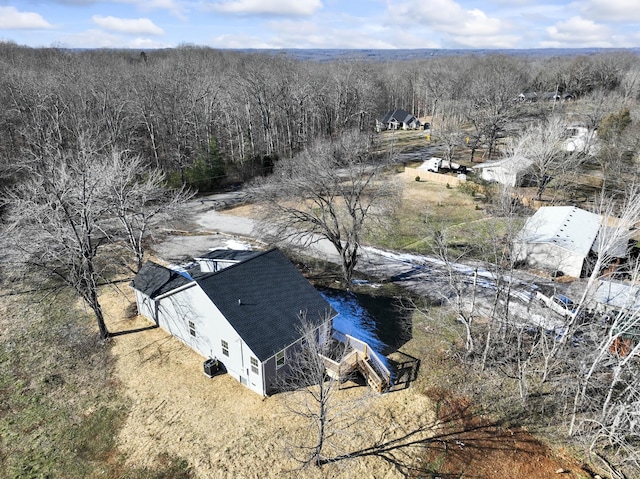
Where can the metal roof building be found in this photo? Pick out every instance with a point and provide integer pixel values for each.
(558, 238)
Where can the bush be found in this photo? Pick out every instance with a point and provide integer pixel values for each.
(417, 178)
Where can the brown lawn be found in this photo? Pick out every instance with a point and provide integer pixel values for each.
(226, 431)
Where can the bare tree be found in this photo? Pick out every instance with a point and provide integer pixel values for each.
(334, 190)
(494, 83)
(311, 396)
(55, 219)
(66, 219)
(137, 197)
(541, 144)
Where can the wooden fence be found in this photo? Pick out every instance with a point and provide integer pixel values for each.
(425, 175)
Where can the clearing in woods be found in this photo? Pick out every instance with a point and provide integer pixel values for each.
(224, 430)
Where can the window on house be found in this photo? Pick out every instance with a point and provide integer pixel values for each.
(225, 347)
(192, 328)
(279, 359)
(254, 365)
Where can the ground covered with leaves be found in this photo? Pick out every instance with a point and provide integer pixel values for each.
(61, 407)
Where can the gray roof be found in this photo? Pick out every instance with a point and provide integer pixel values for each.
(625, 296)
(400, 116)
(262, 298)
(229, 254)
(155, 280)
(568, 227)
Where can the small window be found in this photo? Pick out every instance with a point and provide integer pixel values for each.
(192, 328)
(225, 347)
(254, 365)
(279, 359)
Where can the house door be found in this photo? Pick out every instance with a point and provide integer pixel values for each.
(243, 380)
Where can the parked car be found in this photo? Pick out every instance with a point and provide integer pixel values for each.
(436, 165)
(559, 303)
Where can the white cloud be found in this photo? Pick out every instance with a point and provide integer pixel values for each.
(128, 25)
(627, 11)
(333, 38)
(177, 8)
(466, 28)
(292, 34)
(268, 7)
(100, 39)
(578, 32)
(12, 19)
(477, 23)
(486, 41)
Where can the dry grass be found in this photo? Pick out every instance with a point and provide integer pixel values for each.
(224, 430)
(219, 426)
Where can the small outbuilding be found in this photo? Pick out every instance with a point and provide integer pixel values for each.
(558, 239)
(611, 296)
(510, 171)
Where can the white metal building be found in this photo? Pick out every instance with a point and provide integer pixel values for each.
(558, 238)
(507, 171)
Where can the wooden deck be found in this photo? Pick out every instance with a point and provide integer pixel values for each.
(362, 358)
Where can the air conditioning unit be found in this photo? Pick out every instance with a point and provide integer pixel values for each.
(212, 367)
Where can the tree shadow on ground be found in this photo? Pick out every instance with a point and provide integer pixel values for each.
(131, 331)
(462, 442)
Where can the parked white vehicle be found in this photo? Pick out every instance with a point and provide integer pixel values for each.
(436, 164)
(559, 303)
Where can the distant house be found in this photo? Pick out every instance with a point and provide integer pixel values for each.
(242, 307)
(510, 171)
(528, 97)
(619, 302)
(579, 139)
(551, 96)
(399, 120)
(562, 238)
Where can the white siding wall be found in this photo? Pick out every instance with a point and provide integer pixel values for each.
(211, 327)
(550, 257)
(499, 175)
(146, 306)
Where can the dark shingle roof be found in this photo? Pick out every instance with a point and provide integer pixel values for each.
(229, 254)
(155, 280)
(262, 298)
(399, 115)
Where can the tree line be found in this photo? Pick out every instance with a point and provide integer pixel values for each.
(208, 117)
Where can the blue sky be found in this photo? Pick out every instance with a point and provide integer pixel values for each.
(385, 24)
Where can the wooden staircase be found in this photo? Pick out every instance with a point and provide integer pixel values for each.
(362, 358)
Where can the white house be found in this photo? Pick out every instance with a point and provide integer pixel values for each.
(399, 120)
(510, 171)
(581, 140)
(558, 238)
(243, 308)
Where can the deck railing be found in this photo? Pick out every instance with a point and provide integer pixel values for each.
(372, 364)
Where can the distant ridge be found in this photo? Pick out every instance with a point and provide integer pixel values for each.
(384, 55)
(326, 55)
